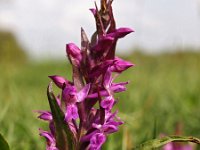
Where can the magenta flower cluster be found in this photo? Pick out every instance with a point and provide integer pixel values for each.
(87, 101)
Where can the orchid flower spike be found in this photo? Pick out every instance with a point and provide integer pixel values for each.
(82, 117)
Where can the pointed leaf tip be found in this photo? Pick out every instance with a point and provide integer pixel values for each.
(3, 143)
(50, 89)
(64, 136)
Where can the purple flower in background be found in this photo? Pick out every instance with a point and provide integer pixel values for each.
(74, 122)
(177, 146)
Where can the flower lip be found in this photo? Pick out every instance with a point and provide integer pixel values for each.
(107, 103)
(97, 141)
(71, 113)
(69, 95)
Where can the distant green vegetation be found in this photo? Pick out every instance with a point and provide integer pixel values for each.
(10, 50)
(164, 90)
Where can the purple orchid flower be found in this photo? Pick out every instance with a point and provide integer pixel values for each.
(71, 97)
(95, 67)
(51, 142)
(108, 102)
(116, 65)
(100, 131)
(97, 141)
(109, 86)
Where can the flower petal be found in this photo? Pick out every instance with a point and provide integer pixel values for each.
(59, 81)
(74, 54)
(87, 137)
(71, 113)
(45, 115)
(93, 10)
(100, 69)
(97, 141)
(51, 144)
(83, 93)
(111, 128)
(107, 79)
(103, 44)
(120, 65)
(120, 87)
(69, 95)
(49, 137)
(120, 33)
(108, 102)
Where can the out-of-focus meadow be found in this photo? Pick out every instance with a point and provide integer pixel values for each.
(164, 91)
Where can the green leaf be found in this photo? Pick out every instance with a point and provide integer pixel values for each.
(64, 137)
(3, 143)
(156, 143)
(155, 129)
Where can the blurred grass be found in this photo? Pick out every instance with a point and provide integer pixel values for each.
(164, 90)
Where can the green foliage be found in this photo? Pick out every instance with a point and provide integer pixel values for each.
(163, 87)
(3, 143)
(156, 143)
(10, 51)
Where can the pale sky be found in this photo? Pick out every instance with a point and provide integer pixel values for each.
(43, 27)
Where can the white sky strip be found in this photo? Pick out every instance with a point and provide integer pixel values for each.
(45, 26)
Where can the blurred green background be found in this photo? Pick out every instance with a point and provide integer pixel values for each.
(164, 91)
